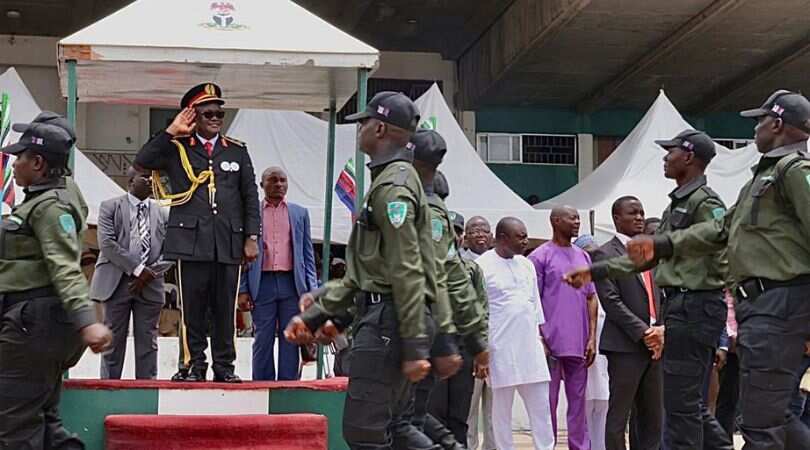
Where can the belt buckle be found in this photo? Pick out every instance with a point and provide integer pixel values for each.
(374, 298)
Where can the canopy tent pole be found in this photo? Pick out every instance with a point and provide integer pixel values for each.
(327, 209)
(359, 157)
(72, 86)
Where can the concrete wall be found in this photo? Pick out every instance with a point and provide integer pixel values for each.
(591, 129)
(420, 66)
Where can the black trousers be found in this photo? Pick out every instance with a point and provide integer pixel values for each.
(729, 394)
(635, 382)
(410, 412)
(773, 328)
(694, 322)
(376, 382)
(450, 401)
(38, 343)
(204, 286)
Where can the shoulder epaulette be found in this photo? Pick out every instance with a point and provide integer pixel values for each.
(710, 192)
(237, 142)
(401, 177)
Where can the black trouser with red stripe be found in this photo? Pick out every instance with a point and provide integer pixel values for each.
(204, 286)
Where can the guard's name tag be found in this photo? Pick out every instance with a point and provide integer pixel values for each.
(436, 229)
(228, 166)
(396, 212)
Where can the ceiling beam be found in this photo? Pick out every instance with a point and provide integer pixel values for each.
(683, 33)
(750, 77)
(485, 15)
(524, 26)
(351, 16)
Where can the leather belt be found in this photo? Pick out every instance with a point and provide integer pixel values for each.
(670, 292)
(12, 298)
(373, 298)
(752, 288)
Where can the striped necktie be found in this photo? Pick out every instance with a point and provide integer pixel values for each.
(143, 233)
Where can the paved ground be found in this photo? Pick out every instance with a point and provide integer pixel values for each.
(523, 441)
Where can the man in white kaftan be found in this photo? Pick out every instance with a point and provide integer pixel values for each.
(517, 359)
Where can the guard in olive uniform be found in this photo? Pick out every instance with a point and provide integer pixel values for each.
(390, 278)
(468, 319)
(46, 317)
(766, 236)
(450, 400)
(213, 225)
(694, 307)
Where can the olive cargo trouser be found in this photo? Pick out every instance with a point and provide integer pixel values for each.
(773, 327)
(409, 412)
(38, 343)
(694, 322)
(376, 382)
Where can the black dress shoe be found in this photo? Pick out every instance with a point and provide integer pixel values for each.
(181, 375)
(196, 376)
(227, 378)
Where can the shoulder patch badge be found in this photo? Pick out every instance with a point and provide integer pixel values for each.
(718, 213)
(436, 229)
(397, 211)
(67, 223)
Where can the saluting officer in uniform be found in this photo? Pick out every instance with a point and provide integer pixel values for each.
(390, 275)
(694, 304)
(46, 316)
(213, 225)
(766, 238)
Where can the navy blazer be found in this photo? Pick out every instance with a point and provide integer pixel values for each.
(303, 256)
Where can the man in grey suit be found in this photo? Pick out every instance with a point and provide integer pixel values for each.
(131, 229)
(631, 340)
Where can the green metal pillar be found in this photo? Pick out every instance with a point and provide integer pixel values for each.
(72, 92)
(327, 209)
(360, 157)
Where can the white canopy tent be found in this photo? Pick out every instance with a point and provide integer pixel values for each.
(94, 184)
(636, 168)
(269, 54)
(291, 140)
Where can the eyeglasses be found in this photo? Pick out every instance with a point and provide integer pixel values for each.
(211, 114)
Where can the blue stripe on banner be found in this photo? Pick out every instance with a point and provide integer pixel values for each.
(345, 198)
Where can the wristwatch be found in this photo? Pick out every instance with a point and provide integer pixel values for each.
(253, 237)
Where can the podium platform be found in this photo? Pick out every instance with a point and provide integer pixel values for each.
(87, 403)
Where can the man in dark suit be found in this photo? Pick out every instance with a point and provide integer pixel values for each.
(631, 340)
(213, 225)
(131, 229)
(283, 272)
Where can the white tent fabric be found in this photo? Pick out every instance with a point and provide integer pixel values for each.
(270, 54)
(295, 141)
(636, 168)
(94, 184)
